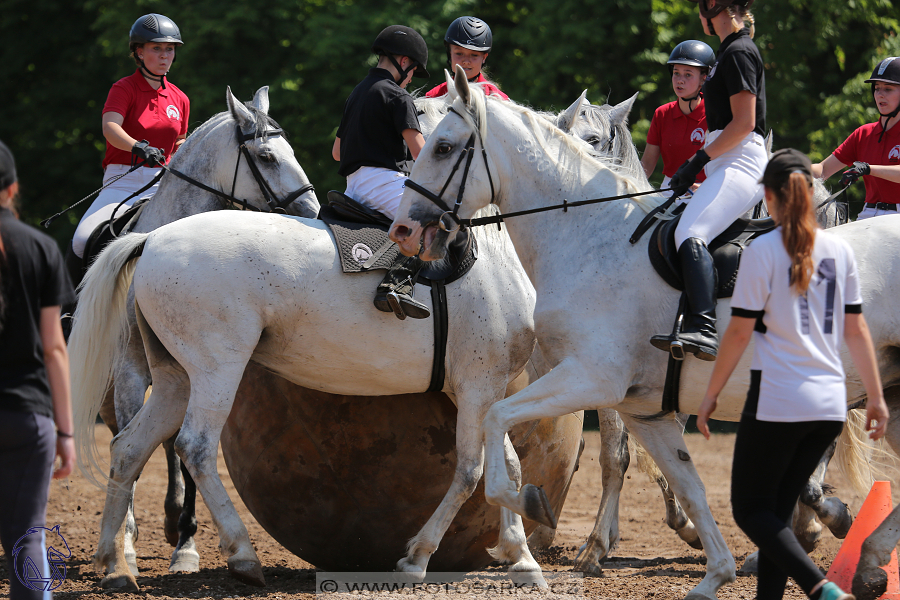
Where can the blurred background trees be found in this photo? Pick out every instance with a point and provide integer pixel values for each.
(60, 58)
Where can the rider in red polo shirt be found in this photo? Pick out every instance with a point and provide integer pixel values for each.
(468, 41)
(873, 149)
(678, 129)
(145, 119)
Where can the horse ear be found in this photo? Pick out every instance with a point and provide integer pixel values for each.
(261, 100)
(770, 140)
(462, 85)
(451, 87)
(567, 117)
(619, 113)
(240, 112)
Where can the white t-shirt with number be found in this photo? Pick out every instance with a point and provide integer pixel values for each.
(798, 338)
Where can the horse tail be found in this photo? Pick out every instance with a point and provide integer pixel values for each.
(100, 327)
(643, 460)
(861, 461)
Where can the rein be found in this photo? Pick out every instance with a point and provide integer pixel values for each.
(275, 206)
(449, 221)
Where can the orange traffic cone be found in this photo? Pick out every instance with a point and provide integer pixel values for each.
(876, 507)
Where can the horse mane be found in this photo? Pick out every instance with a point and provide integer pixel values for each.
(263, 122)
(475, 115)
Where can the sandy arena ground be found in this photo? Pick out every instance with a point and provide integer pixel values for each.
(650, 562)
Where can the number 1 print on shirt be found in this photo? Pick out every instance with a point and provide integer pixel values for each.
(827, 273)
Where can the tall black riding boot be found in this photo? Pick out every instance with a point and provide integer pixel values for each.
(395, 292)
(699, 272)
(698, 334)
(75, 267)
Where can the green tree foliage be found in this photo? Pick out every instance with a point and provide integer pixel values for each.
(60, 59)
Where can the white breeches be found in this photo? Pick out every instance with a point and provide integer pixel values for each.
(377, 188)
(105, 203)
(731, 189)
(868, 212)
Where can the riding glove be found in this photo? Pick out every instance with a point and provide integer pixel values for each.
(853, 173)
(154, 157)
(687, 173)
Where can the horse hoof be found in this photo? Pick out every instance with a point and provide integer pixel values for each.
(530, 578)
(413, 571)
(842, 527)
(751, 563)
(869, 585)
(120, 583)
(537, 506)
(247, 571)
(589, 569)
(185, 561)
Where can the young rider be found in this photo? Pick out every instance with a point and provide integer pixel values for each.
(678, 129)
(797, 402)
(873, 149)
(734, 157)
(145, 119)
(378, 129)
(468, 41)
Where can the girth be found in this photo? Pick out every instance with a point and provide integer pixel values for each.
(726, 250)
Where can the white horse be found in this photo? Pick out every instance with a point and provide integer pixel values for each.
(599, 299)
(209, 156)
(270, 289)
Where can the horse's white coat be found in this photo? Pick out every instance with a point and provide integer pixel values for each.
(599, 299)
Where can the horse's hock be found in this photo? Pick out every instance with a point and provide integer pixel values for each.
(344, 482)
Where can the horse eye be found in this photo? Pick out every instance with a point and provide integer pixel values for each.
(444, 148)
(593, 141)
(267, 156)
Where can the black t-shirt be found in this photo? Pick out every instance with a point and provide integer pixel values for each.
(33, 277)
(376, 114)
(738, 68)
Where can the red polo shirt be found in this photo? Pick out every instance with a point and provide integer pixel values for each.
(158, 116)
(489, 88)
(862, 145)
(678, 135)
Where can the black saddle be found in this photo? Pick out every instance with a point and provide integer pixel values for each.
(123, 223)
(361, 236)
(726, 250)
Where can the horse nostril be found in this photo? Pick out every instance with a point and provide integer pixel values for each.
(399, 233)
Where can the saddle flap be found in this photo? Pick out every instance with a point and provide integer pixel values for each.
(108, 230)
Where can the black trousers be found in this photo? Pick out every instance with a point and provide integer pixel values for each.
(772, 463)
(27, 451)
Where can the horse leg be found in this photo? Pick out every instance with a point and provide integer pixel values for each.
(129, 452)
(512, 546)
(181, 510)
(663, 439)
(212, 395)
(614, 461)
(542, 537)
(832, 513)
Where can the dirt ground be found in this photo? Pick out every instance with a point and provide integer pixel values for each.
(650, 562)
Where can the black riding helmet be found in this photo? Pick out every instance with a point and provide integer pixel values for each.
(887, 71)
(708, 13)
(399, 40)
(470, 33)
(693, 53)
(153, 28)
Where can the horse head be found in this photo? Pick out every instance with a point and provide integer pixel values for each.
(270, 168)
(454, 158)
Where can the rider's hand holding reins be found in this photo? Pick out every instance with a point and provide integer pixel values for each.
(687, 173)
(853, 173)
(154, 157)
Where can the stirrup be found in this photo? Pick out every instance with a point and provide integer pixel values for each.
(676, 349)
(394, 302)
(670, 344)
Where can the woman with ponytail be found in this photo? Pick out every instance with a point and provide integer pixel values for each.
(797, 294)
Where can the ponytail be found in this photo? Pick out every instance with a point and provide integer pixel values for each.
(735, 10)
(798, 227)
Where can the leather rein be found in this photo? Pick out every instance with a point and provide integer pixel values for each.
(450, 222)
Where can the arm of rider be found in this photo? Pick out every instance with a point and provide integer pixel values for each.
(732, 347)
(56, 360)
(889, 172)
(336, 149)
(827, 167)
(115, 134)
(649, 159)
(414, 141)
(743, 121)
(859, 343)
(178, 142)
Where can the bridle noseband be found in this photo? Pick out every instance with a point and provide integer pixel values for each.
(449, 220)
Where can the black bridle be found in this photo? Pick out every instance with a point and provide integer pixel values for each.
(275, 205)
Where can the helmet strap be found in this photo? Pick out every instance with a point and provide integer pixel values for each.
(152, 76)
(712, 28)
(689, 100)
(403, 72)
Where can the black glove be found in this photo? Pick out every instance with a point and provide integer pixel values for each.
(853, 173)
(154, 157)
(687, 173)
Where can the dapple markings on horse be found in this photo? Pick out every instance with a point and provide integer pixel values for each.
(592, 321)
(209, 156)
